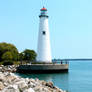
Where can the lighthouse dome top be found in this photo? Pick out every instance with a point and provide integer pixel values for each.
(43, 9)
(43, 12)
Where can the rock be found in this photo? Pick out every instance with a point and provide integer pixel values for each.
(43, 82)
(11, 88)
(26, 79)
(0, 68)
(9, 79)
(22, 85)
(5, 84)
(45, 90)
(31, 84)
(29, 90)
(10, 68)
(38, 89)
(9, 82)
(14, 70)
(42, 89)
(16, 80)
(15, 86)
(2, 77)
(32, 80)
(50, 84)
(1, 85)
(58, 90)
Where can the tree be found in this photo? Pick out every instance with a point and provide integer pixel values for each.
(29, 55)
(6, 47)
(21, 56)
(7, 56)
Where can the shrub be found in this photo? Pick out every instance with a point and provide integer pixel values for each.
(7, 63)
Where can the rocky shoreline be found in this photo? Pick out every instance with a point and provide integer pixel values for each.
(9, 68)
(9, 82)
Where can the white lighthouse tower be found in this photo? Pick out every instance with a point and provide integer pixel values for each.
(43, 50)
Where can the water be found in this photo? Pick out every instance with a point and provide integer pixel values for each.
(78, 79)
(80, 76)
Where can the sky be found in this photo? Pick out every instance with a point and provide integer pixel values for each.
(70, 24)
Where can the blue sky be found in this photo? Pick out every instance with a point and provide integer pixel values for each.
(70, 24)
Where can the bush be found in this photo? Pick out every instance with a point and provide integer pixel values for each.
(29, 55)
(7, 63)
(8, 52)
(7, 56)
(41, 63)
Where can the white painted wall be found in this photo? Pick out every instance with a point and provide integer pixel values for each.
(43, 50)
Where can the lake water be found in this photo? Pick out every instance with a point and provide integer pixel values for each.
(80, 76)
(78, 79)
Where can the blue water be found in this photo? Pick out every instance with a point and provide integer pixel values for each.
(78, 79)
(80, 76)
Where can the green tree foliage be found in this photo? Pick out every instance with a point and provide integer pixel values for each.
(7, 56)
(21, 56)
(9, 53)
(29, 55)
(9, 48)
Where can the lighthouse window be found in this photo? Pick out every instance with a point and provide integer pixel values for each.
(43, 32)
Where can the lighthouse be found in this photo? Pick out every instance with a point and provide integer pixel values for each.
(43, 48)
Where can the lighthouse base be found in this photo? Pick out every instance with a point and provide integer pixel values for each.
(43, 68)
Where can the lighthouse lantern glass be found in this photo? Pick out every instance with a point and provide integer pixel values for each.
(43, 13)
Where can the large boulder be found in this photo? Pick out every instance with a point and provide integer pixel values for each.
(29, 90)
(11, 88)
(49, 84)
(22, 85)
(2, 77)
(1, 85)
